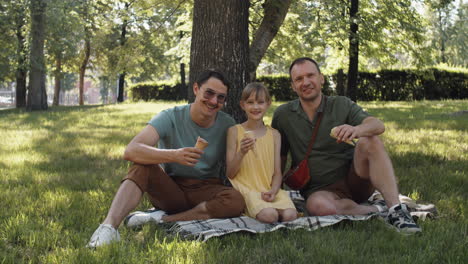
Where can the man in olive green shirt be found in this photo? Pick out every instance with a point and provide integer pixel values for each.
(342, 176)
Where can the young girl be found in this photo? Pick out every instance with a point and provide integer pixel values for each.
(253, 160)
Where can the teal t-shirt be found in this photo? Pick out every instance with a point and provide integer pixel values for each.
(177, 130)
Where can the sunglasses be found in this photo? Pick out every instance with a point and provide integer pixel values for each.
(209, 94)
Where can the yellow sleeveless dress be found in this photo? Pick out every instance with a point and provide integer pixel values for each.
(256, 173)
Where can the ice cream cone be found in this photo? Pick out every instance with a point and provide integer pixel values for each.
(250, 134)
(201, 143)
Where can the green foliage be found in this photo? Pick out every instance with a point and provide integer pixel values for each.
(280, 87)
(14, 19)
(447, 27)
(391, 33)
(431, 84)
(60, 170)
(157, 91)
(388, 85)
(384, 85)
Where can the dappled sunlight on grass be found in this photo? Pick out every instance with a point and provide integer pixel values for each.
(59, 170)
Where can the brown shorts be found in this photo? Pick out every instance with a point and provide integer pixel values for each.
(178, 194)
(352, 187)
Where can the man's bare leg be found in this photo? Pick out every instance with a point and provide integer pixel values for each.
(199, 212)
(328, 203)
(126, 199)
(372, 162)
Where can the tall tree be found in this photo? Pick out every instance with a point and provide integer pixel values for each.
(87, 15)
(123, 39)
(274, 13)
(353, 50)
(63, 35)
(14, 61)
(220, 40)
(37, 96)
(21, 57)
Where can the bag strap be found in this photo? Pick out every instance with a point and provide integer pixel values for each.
(314, 133)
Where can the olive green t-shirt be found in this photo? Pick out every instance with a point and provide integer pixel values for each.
(176, 129)
(328, 161)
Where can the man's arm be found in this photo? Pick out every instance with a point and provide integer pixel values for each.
(370, 126)
(140, 150)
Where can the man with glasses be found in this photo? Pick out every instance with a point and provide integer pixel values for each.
(181, 180)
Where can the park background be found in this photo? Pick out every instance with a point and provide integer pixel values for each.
(75, 75)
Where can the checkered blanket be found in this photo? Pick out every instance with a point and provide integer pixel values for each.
(205, 229)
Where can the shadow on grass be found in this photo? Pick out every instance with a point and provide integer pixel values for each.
(434, 179)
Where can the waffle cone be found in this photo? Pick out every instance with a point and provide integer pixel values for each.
(201, 143)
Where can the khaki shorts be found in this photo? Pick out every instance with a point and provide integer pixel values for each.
(352, 187)
(178, 194)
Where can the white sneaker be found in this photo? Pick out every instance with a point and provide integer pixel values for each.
(104, 234)
(139, 218)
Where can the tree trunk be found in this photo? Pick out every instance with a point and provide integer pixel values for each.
(442, 36)
(220, 41)
(340, 85)
(183, 84)
(57, 77)
(84, 64)
(120, 97)
(353, 51)
(21, 68)
(37, 96)
(274, 13)
(123, 39)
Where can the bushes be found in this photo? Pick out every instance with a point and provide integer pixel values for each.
(385, 85)
(397, 85)
(157, 91)
(280, 87)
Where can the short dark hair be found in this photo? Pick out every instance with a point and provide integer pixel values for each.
(301, 61)
(207, 74)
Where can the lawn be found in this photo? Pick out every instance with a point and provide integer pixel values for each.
(59, 171)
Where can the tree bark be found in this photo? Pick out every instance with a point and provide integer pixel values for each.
(274, 13)
(120, 97)
(220, 40)
(21, 70)
(37, 96)
(123, 39)
(183, 83)
(57, 77)
(442, 36)
(340, 82)
(353, 51)
(84, 64)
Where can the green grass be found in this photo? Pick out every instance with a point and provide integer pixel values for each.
(59, 171)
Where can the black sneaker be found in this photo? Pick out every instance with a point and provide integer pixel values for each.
(400, 218)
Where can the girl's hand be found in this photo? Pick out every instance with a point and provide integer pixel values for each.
(269, 196)
(246, 144)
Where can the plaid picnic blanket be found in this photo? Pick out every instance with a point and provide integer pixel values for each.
(205, 229)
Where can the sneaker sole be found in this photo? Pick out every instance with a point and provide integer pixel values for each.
(406, 232)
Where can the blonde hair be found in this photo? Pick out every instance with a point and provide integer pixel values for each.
(257, 88)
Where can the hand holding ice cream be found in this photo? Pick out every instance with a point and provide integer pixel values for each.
(201, 143)
(251, 135)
